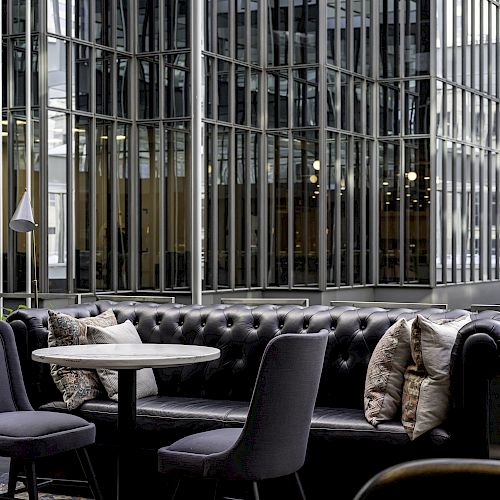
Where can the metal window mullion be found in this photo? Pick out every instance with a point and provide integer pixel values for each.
(162, 206)
(433, 170)
(363, 205)
(484, 242)
(263, 255)
(291, 208)
(443, 214)
(322, 97)
(402, 213)
(215, 208)
(114, 209)
(338, 214)
(489, 218)
(497, 215)
(454, 198)
(93, 206)
(248, 210)
(232, 207)
(472, 213)
(350, 211)
(464, 213)
(70, 201)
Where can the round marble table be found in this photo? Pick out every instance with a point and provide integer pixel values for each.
(126, 359)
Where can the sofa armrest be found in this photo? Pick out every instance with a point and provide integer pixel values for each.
(474, 362)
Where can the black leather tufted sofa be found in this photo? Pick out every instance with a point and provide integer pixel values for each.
(344, 450)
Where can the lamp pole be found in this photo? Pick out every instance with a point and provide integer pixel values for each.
(196, 150)
(28, 143)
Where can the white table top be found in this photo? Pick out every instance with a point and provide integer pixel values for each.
(131, 356)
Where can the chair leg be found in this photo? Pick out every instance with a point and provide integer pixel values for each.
(299, 485)
(255, 490)
(88, 470)
(14, 469)
(176, 491)
(29, 469)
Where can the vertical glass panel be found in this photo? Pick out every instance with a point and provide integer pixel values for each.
(223, 215)
(345, 111)
(477, 213)
(253, 180)
(148, 87)
(331, 30)
(484, 65)
(440, 36)
(458, 126)
(103, 22)
(35, 92)
(80, 88)
(468, 41)
(81, 168)
(56, 73)
(467, 116)
(209, 87)
(368, 38)
(123, 89)
(493, 208)
(103, 205)
(441, 212)
(176, 24)
(177, 208)
(254, 32)
(277, 54)
(4, 200)
(331, 100)
(56, 17)
(390, 206)
(467, 211)
(389, 38)
(493, 50)
(209, 5)
(254, 99)
(305, 97)
(450, 111)
(241, 215)
(104, 78)
(122, 38)
(18, 16)
(5, 103)
(369, 108)
(448, 192)
(356, 24)
(223, 27)
(223, 90)
(149, 206)
(440, 107)
(358, 216)
(306, 208)
(369, 233)
(305, 31)
(122, 223)
(457, 210)
(417, 101)
(148, 25)
(417, 37)
(331, 212)
(345, 215)
(277, 101)
(57, 223)
(80, 19)
(417, 211)
(277, 180)
(208, 208)
(177, 86)
(358, 102)
(344, 33)
(241, 9)
(240, 80)
(19, 69)
(390, 115)
(460, 40)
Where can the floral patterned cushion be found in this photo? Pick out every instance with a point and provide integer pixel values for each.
(76, 386)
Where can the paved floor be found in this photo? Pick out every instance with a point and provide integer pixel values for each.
(4, 465)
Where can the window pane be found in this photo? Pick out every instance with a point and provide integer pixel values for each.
(56, 17)
(241, 222)
(81, 78)
(331, 213)
(305, 31)
(389, 38)
(223, 216)
(148, 25)
(417, 100)
(240, 90)
(177, 86)
(122, 38)
(56, 75)
(176, 24)
(223, 90)
(80, 19)
(278, 32)
(104, 94)
(148, 87)
(103, 20)
(123, 91)
(417, 37)
(223, 27)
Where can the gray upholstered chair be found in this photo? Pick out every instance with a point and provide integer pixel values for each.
(274, 439)
(26, 434)
(457, 478)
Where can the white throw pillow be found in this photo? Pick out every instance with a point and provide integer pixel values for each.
(385, 374)
(426, 391)
(123, 333)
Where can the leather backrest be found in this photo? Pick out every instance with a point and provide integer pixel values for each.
(241, 333)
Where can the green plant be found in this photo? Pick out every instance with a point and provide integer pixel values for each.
(6, 311)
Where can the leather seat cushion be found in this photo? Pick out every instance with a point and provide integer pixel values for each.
(163, 420)
(33, 434)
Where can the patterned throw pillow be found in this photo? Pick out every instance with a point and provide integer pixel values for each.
(123, 333)
(426, 391)
(76, 386)
(385, 374)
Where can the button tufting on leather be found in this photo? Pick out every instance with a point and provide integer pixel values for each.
(256, 325)
(229, 324)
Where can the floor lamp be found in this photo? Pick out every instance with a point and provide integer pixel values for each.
(23, 222)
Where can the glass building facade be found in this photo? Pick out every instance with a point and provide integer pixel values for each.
(350, 146)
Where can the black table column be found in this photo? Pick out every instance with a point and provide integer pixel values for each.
(127, 408)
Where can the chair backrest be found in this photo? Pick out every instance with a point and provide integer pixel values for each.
(12, 391)
(460, 479)
(274, 439)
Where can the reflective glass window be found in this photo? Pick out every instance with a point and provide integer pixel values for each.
(255, 99)
(417, 37)
(223, 27)
(123, 89)
(417, 104)
(240, 79)
(103, 22)
(356, 23)
(331, 212)
(104, 78)
(305, 97)
(80, 19)
(389, 38)
(223, 215)
(177, 86)
(241, 35)
(331, 30)
(345, 210)
(358, 103)
(254, 32)
(345, 111)
(208, 209)
(177, 208)
(305, 31)
(80, 87)
(57, 73)
(241, 212)
(277, 100)
(148, 87)
(223, 69)
(82, 148)
(176, 24)
(148, 25)
(56, 17)
(331, 99)
(122, 21)
(252, 181)
(149, 206)
(277, 54)
(344, 33)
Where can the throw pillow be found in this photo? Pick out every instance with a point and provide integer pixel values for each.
(76, 386)
(385, 374)
(123, 333)
(426, 391)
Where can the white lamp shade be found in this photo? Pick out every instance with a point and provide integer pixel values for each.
(22, 221)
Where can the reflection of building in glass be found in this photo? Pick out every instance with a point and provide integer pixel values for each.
(346, 143)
